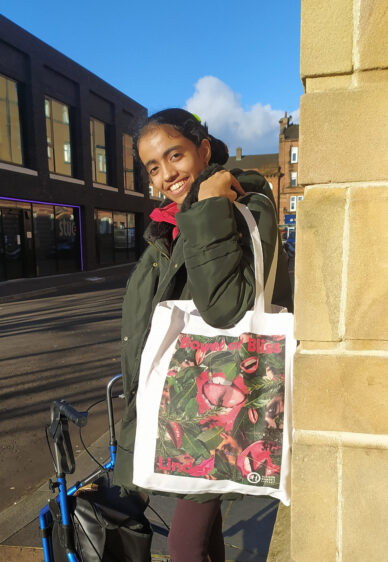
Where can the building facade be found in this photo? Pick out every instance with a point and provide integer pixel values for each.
(290, 190)
(281, 172)
(70, 196)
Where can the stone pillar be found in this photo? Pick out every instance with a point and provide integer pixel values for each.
(340, 453)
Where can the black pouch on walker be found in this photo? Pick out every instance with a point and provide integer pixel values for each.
(105, 526)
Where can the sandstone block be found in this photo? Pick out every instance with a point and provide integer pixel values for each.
(343, 136)
(323, 83)
(372, 41)
(280, 547)
(364, 505)
(343, 392)
(366, 345)
(318, 264)
(367, 280)
(370, 77)
(326, 37)
(314, 503)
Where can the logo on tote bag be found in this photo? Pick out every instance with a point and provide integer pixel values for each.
(222, 407)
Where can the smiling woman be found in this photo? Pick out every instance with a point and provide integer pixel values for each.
(200, 249)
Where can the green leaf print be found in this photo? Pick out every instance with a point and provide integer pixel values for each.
(191, 409)
(211, 437)
(230, 370)
(194, 447)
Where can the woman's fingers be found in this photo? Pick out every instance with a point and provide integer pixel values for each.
(236, 184)
(220, 185)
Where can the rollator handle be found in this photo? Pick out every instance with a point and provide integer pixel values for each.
(61, 412)
(79, 418)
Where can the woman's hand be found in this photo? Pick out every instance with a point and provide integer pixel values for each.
(220, 185)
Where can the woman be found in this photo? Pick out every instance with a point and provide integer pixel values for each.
(199, 248)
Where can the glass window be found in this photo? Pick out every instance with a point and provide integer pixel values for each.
(104, 227)
(154, 192)
(120, 237)
(290, 231)
(66, 240)
(10, 133)
(293, 203)
(58, 137)
(131, 234)
(115, 236)
(44, 239)
(67, 153)
(98, 151)
(294, 179)
(124, 236)
(300, 197)
(294, 154)
(129, 184)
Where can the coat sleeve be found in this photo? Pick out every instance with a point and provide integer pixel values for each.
(136, 312)
(219, 258)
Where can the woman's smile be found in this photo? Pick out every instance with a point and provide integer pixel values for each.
(178, 186)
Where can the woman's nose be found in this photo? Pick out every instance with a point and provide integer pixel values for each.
(169, 171)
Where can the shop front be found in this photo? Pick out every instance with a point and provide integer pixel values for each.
(38, 239)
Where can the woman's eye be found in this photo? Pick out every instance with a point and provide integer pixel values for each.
(153, 171)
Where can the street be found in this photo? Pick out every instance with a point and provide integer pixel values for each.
(62, 346)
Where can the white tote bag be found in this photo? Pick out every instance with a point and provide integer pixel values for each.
(214, 405)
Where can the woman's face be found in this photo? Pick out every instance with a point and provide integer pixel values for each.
(172, 161)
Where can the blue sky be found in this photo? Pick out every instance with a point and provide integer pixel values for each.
(234, 63)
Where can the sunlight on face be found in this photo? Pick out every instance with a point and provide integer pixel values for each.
(172, 161)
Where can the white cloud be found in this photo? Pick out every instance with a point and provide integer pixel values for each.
(256, 130)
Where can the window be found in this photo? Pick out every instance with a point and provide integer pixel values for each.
(10, 133)
(58, 137)
(98, 151)
(291, 231)
(67, 240)
(293, 203)
(300, 197)
(67, 153)
(129, 184)
(154, 192)
(115, 236)
(294, 154)
(294, 179)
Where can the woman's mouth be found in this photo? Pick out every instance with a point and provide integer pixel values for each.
(179, 186)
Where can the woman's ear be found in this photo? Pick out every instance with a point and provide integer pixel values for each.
(205, 150)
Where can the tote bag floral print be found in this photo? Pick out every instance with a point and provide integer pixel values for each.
(213, 405)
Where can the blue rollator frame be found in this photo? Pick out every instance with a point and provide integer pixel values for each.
(61, 413)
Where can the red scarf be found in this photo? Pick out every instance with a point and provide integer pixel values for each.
(166, 214)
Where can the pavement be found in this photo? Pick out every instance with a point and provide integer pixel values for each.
(248, 525)
(39, 287)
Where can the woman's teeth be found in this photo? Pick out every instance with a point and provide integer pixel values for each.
(177, 185)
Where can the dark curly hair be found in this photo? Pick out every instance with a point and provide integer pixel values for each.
(188, 126)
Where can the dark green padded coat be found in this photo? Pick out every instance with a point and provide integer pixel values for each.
(210, 261)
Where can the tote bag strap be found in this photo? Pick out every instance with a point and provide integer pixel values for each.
(269, 286)
(263, 297)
